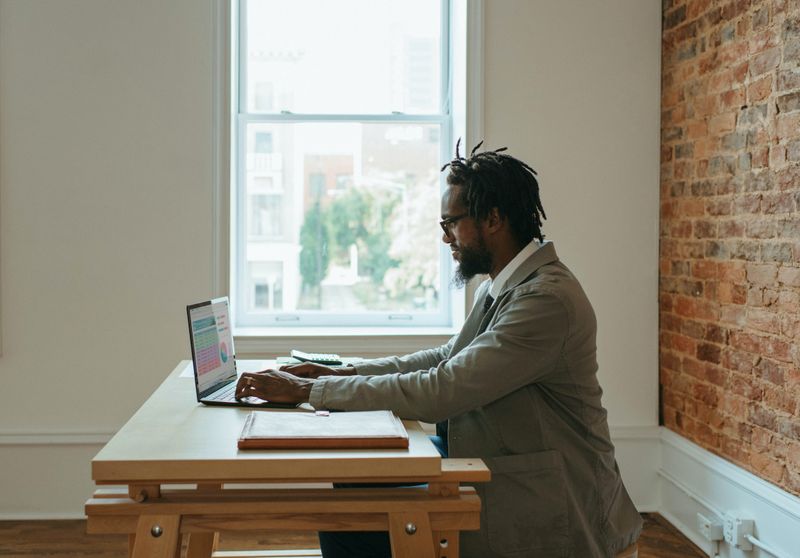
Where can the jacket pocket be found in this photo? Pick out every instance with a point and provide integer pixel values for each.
(525, 505)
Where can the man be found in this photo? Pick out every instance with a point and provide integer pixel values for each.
(517, 386)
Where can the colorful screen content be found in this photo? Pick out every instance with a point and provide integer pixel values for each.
(213, 344)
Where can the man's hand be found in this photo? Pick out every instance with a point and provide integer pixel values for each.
(274, 385)
(312, 370)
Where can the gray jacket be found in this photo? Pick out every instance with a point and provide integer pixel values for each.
(518, 386)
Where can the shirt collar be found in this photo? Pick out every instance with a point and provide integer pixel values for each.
(499, 282)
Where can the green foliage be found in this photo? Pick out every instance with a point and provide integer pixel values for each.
(361, 216)
(314, 237)
(347, 218)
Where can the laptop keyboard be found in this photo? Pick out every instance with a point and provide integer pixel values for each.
(228, 393)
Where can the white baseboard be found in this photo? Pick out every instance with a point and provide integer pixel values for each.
(638, 453)
(41, 516)
(694, 480)
(35, 438)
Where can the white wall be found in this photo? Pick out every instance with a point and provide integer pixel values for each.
(105, 194)
(105, 203)
(573, 88)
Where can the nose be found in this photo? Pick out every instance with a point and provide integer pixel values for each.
(447, 238)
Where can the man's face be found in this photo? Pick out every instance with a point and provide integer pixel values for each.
(465, 238)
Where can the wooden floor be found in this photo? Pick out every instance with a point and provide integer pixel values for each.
(68, 539)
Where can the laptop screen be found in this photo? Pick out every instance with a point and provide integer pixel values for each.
(212, 343)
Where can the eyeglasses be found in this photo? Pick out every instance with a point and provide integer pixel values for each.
(447, 224)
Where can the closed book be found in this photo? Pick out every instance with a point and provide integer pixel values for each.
(321, 430)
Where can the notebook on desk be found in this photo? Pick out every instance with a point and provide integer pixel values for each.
(213, 357)
(323, 430)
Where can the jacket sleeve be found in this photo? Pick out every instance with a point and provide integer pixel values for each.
(420, 360)
(521, 347)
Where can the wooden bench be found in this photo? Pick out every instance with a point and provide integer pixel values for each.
(422, 521)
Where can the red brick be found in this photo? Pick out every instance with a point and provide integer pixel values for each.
(788, 301)
(763, 416)
(734, 98)
(760, 89)
(778, 399)
(732, 271)
(691, 207)
(728, 293)
(766, 467)
(683, 344)
(716, 375)
(735, 451)
(765, 61)
(696, 129)
(722, 123)
(771, 370)
(740, 71)
(749, 203)
(683, 169)
(705, 269)
(717, 207)
(789, 276)
(693, 329)
(709, 352)
(765, 39)
(790, 326)
(793, 454)
(789, 427)
(788, 125)
(780, 202)
(732, 314)
(696, 8)
(695, 308)
(761, 438)
(761, 345)
(693, 368)
(744, 387)
(762, 274)
(761, 229)
(681, 229)
(777, 156)
(671, 97)
(707, 437)
(705, 229)
(759, 158)
(788, 79)
(763, 320)
(733, 406)
(731, 229)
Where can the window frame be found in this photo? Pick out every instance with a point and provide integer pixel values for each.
(463, 17)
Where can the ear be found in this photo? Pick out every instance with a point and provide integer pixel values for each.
(494, 222)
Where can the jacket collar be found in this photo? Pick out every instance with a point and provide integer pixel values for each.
(546, 254)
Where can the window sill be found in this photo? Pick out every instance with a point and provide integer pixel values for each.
(367, 342)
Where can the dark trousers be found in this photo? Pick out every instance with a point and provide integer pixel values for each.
(364, 544)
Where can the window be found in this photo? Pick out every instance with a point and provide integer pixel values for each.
(341, 124)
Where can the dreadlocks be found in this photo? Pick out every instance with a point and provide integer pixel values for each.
(493, 179)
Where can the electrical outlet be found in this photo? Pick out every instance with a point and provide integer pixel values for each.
(735, 531)
(711, 529)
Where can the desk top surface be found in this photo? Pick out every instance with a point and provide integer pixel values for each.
(172, 439)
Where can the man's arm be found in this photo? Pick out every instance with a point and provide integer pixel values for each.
(420, 360)
(523, 347)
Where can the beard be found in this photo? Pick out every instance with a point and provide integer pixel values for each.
(472, 261)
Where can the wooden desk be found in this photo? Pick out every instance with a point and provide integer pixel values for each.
(173, 440)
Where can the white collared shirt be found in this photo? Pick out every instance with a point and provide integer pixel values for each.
(499, 282)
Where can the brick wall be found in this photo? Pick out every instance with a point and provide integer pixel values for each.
(730, 231)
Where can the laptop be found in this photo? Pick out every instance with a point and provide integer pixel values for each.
(213, 356)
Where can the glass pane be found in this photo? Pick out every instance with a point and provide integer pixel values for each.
(342, 217)
(343, 56)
